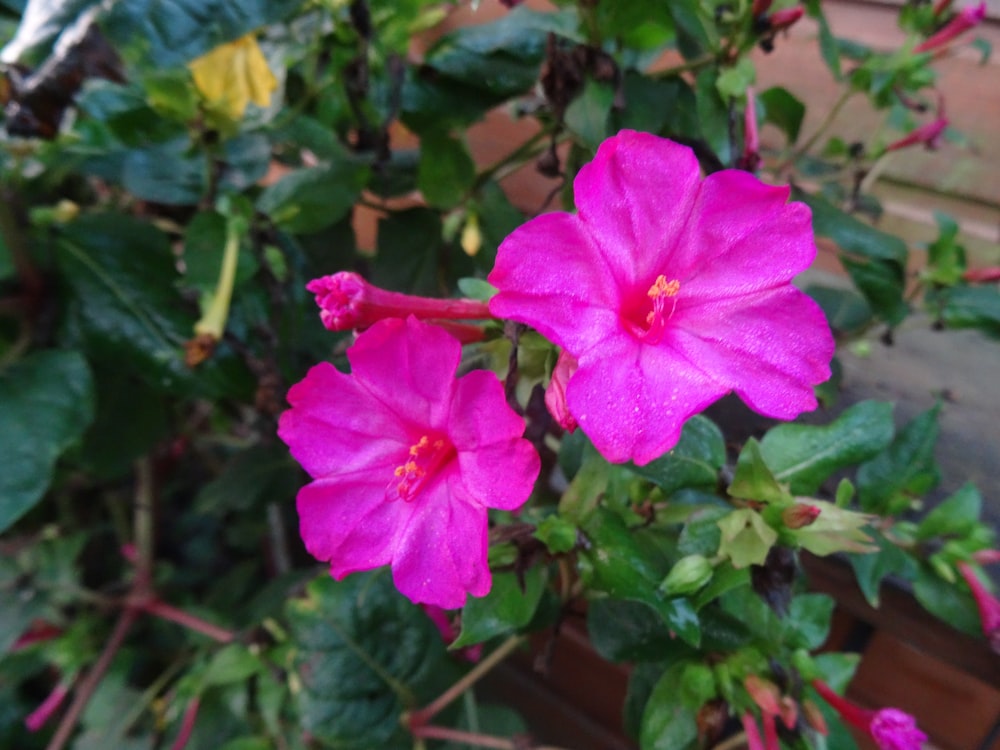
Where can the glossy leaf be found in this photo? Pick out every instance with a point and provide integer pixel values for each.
(904, 470)
(783, 109)
(754, 479)
(310, 199)
(446, 170)
(46, 402)
(872, 568)
(668, 723)
(363, 655)
(955, 516)
(947, 602)
(587, 115)
(971, 307)
(806, 455)
(504, 610)
(627, 631)
(694, 462)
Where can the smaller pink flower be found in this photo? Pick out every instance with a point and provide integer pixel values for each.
(989, 605)
(889, 728)
(750, 159)
(555, 394)
(406, 460)
(928, 134)
(347, 302)
(965, 20)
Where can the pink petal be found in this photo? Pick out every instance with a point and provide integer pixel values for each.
(335, 426)
(480, 414)
(349, 523)
(552, 276)
(501, 475)
(409, 367)
(442, 551)
(771, 348)
(636, 197)
(632, 400)
(744, 244)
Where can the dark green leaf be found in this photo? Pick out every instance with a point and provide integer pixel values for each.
(805, 455)
(852, 235)
(694, 462)
(251, 479)
(410, 249)
(904, 470)
(171, 173)
(504, 610)
(649, 102)
(587, 115)
(46, 402)
(808, 622)
(630, 631)
(700, 535)
(589, 484)
(827, 42)
(446, 170)
(846, 311)
(694, 32)
(783, 109)
(233, 663)
(668, 723)
(882, 284)
(972, 307)
(754, 478)
(871, 568)
(734, 80)
(364, 654)
(641, 682)
(713, 115)
(310, 199)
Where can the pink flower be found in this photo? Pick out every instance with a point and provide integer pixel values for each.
(928, 134)
(890, 728)
(965, 20)
(406, 459)
(40, 716)
(347, 301)
(989, 606)
(670, 291)
(555, 394)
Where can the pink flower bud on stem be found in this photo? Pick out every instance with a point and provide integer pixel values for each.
(347, 301)
(555, 394)
(38, 718)
(989, 605)
(965, 20)
(800, 515)
(890, 728)
(985, 275)
(928, 134)
(782, 19)
(750, 159)
(754, 742)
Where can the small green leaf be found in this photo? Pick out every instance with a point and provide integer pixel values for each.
(955, 516)
(754, 479)
(713, 115)
(504, 610)
(587, 115)
(971, 307)
(783, 109)
(733, 81)
(233, 663)
(808, 622)
(310, 199)
(827, 42)
(557, 534)
(580, 500)
(628, 631)
(947, 602)
(904, 470)
(805, 455)
(668, 722)
(46, 402)
(872, 568)
(694, 462)
(446, 170)
(846, 311)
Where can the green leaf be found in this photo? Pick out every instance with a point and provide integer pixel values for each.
(808, 622)
(161, 35)
(882, 284)
(310, 199)
(498, 217)
(364, 654)
(580, 500)
(733, 81)
(46, 402)
(902, 471)
(251, 478)
(628, 631)
(615, 563)
(504, 610)
(173, 173)
(668, 722)
(695, 34)
(409, 252)
(446, 170)
(123, 302)
(872, 568)
(587, 115)
(955, 516)
(231, 664)
(557, 534)
(754, 479)
(783, 109)
(971, 307)
(649, 102)
(701, 534)
(713, 115)
(852, 235)
(846, 311)
(805, 455)
(827, 42)
(947, 602)
(694, 462)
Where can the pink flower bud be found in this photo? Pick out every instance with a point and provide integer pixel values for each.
(965, 20)
(38, 718)
(889, 728)
(799, 515)
(764, 693)
(751, 138)
(989, 605)
(754, 742)
(555, 394)
(928, 134)
(814, 717)
(347, 301)
(443, 623)
(782, 19)
(983, 276)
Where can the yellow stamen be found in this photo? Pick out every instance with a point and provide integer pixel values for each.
(663, 288)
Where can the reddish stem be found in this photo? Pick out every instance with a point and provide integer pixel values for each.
(187, 724)
(188, 620)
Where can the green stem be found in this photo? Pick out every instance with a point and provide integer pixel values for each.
(143, 525)
(420, 717)
(685, 67)
(213, 322)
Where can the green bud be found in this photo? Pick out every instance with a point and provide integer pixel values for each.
(687, 576)
(698, 683)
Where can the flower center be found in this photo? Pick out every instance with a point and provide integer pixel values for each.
(647, 320)
(427, 457)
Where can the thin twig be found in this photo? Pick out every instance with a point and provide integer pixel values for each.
(473, 738)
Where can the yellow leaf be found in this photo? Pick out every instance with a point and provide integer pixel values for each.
(232, 75)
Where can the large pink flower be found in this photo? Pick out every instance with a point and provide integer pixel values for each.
(406, 459)
(670, 291)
